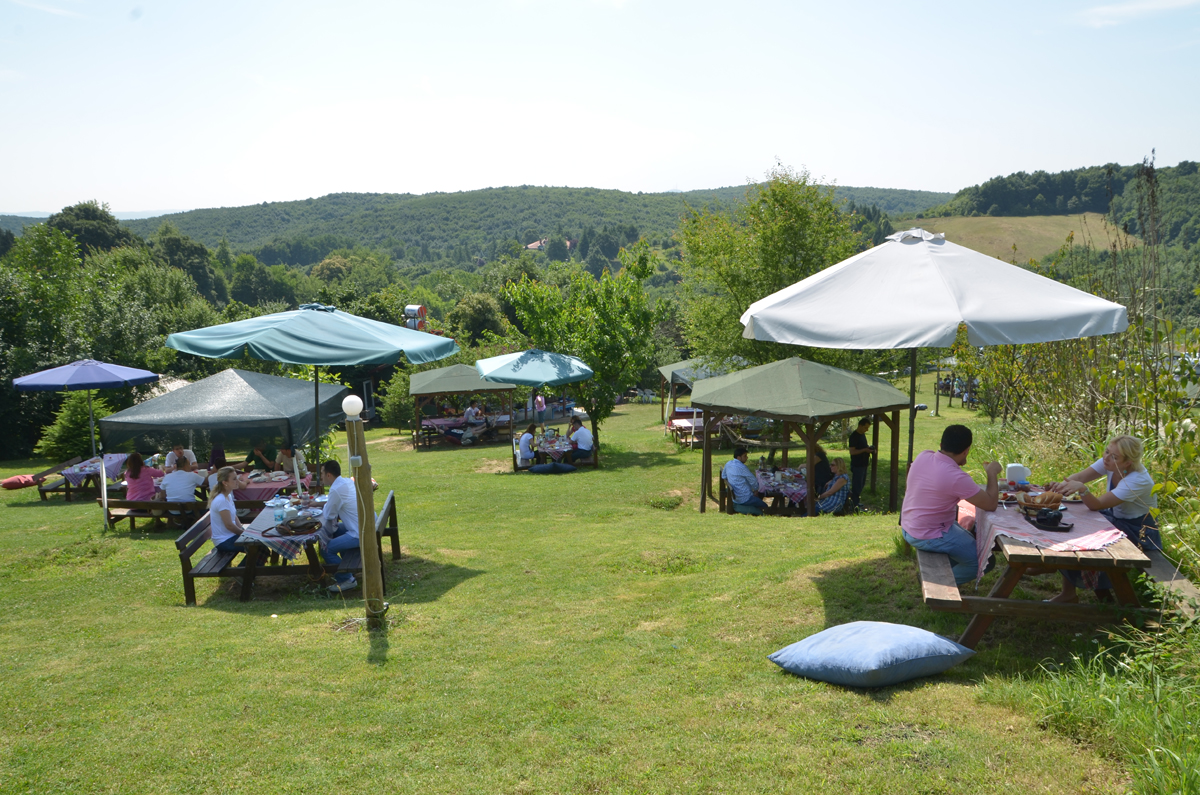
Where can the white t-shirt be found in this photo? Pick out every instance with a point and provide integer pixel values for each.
(220, 532)
(172, 458)
(526, 444)
(285, 463)
(341, 505)
(181, 486)
(1136, 492)
(582, 438)
(471, 415)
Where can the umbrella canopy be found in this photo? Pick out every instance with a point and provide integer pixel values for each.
(455, 379)
(314, 334)
(233, 406)
(914, 290)
(797, 390)
(84, 374)
(534, 368)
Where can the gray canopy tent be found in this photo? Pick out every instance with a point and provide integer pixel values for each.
(806, 397)
(457, 379)
(686, 373)
(236, 407)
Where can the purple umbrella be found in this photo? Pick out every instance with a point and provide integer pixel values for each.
(86, 374)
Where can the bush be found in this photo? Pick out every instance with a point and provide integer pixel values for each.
(70, 433)
(396, 409)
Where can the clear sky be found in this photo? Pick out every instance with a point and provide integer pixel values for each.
(153, 105)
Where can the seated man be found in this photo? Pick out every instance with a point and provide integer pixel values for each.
(261, 457)
(177, 452)
(936, 482)
(287, 456)
(181, 485)
(741, 480)
(474, 415)
(340, 521)
(581, 441)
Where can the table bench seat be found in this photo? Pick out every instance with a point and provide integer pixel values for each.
(62, 485)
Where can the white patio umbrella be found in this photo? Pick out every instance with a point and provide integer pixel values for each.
(914, 290)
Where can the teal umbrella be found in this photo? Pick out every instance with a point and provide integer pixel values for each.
(317, 335)
(534, 368)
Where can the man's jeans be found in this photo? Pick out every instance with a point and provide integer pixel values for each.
(858, 480)
(340, 541)
(754, 501)
(959, 545)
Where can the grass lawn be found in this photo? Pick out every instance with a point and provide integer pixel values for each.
(1035, 236)
(553, 634)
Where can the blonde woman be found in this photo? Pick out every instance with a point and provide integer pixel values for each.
(223, 512)
(833, 499)
(1127, 503)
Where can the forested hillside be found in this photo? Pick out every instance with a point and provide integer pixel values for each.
(469, 223)
(1089, 190)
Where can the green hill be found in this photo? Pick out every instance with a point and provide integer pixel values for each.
(15, 223)
(472, 219)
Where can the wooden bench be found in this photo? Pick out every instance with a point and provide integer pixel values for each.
(164, 515)
(517, 465)
(220, 564)
(1165, 573)
(61, 485)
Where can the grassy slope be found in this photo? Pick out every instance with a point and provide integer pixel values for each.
(1035, 236)
(552, 634)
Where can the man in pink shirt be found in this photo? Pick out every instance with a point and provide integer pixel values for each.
(936, 482)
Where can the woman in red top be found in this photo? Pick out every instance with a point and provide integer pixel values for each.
(140, 478)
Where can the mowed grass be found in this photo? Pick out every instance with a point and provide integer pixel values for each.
(1034, 236)
(554, 634)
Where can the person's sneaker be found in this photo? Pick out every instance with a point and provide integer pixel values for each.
(342, 587)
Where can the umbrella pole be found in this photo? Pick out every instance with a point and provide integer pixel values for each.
(316, 417)
(92, 423)
(912, 399)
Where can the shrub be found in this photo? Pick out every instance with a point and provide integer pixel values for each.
(70, 433)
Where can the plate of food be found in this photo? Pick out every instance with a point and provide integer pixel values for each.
(1073, 498)
(1008, 497)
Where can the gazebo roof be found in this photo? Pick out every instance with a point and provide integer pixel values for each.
(799, 391)
(457, 379)
(689, 371)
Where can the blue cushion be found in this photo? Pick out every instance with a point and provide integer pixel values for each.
(553, 468)
(870, 654)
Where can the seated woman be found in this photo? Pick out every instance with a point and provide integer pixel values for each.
(822, 474)
(526, 446)
(140, 478)
(223, 512)
(833, 498)
(1126, 504)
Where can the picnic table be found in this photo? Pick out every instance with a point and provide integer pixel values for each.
(783, 491)
(1093, 545)
(265, 490)
(556, 448)
(89, 471)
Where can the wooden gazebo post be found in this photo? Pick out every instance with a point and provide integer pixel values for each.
(705, 464)
(810, 469)
(875, 443)
(662, 397)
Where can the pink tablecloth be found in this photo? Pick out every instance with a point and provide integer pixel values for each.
(1092, 530)
(265, 491)
(796, 492)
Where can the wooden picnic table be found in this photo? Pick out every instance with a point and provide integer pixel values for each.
(1117, 560)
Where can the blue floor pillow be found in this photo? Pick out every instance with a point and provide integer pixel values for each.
(553, 468)
(870, 654)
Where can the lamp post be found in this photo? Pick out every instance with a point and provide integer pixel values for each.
(368, 547)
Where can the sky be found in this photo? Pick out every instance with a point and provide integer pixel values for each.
(149, 105)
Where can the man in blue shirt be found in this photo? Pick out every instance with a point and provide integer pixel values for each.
(742, 482)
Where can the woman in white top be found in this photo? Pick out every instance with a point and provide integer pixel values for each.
(1127, 504)
(526, 445)
(223, 512)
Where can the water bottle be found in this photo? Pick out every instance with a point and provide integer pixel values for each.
(279, 516)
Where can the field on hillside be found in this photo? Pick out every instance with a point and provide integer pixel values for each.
(1035, 236)
(557, 634)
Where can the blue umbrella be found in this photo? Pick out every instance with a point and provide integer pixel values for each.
(534, 368)
(86, 374)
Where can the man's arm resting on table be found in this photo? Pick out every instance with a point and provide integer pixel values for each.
(988, 498)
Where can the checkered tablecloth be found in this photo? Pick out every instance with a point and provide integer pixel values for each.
(112, 468)
(796, 492)
(556, 448)
(288, 547)
(268, 489)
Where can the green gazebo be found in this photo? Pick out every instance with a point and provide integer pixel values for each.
(806, 397)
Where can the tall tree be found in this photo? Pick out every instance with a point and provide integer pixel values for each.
(607, 322)
(93, 226)
(176, 249)
(788, 229)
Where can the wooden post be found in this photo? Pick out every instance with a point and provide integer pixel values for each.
(875, 444)
(895, 473)
(368, 547)
(787, 438)
(912, 399)
(705, 464)
(662, 397)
